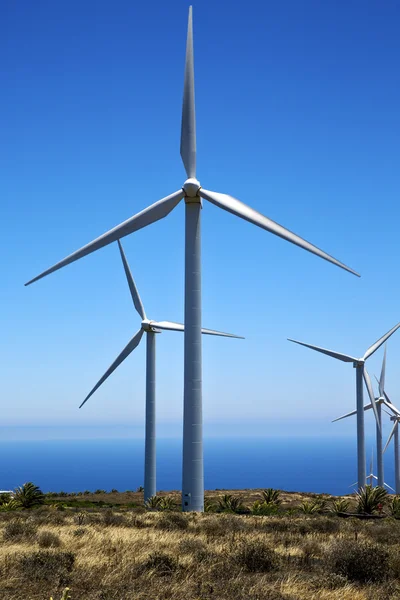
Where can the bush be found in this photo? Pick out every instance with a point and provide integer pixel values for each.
(153, 503)
(264, 508)
(47, 565)
(48, 539)
(112, 519)
(160, 563)
(394, 507)
(271, 496)
(312, 507)
(256, 556)
(339, 505)
(230, 503)
(172, 521)
(19, 530)
(358, 561)
(369, 498)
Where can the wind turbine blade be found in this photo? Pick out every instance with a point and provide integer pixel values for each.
(338, 355)
(371, 395)
(149, 215)
(381, 341)
(120, 358)
(392, 407)
(171, 326)
(383, 373)
(188, 127)
(239, 209)
(388, 486)
(391, 435)
(350, 414)
(132, 286)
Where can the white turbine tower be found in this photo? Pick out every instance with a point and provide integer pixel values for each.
(361, 372)
(378, 403)
(193, 194)
(151, 328)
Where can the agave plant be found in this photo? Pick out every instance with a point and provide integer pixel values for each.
(153, 502)
(230, 503)
(209, 505)
(166, 503)
(370, 499)
(271, 496)
(394, 507)
(313, 507)
(340, 505)
(28, 495)
(9, 506)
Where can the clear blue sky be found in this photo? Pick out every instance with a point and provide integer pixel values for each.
(297, 115)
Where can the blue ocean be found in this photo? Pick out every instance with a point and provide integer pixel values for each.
(319, 465)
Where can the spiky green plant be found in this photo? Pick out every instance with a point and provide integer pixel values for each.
(313, 507)
(271, 496)
(340, 505)
(209, 505)
(153, 502)
(29, 495)
(369, 498)
(394, 507)
(4, 498)
(9, 506)
(230, 503)
(264, 508)
(167, 503)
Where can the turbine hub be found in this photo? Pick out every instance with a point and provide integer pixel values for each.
(147, 325)
(191, 187)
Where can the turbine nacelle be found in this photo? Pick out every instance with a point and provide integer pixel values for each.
(191, 187)
(358, 363)
(147, 325)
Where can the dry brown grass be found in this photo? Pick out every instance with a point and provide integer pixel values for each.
(123, 554)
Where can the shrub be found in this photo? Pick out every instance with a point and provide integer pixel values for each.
(100, 492)
(339, 505)
(172, 521)
(9, 506)
(18, 530)
(48, 539)
(47, 565)
(79, 532)
(310, 507)
(140, 489)
(160, 563)
(209, 506)
(230, 503)
(369, 498)
(256, 556)
(4, 498)
(29, 495)
(394, 507)
(358, 561)
(153, 503)
(112, 519)
(264, 508)
(271, 496)
(167, 503)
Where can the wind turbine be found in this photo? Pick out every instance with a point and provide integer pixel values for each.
(371, 477)
(361, 372)
(395, 432)
(150, 328)
(378, 403)
(193, 194)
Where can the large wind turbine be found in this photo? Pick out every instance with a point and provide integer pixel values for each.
(151, 328)
(193, 194)
(378, 403)
(361, 372)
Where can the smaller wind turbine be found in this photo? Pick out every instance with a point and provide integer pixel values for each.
(378, 403)
(359, 365)
(395, 432)
(371, 477)
(150, 328)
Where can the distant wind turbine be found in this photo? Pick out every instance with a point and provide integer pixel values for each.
(361, 372)
(193, 194)
(378, 403)
(371, 477)
(150, 328)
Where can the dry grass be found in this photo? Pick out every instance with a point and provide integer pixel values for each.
(128, 554)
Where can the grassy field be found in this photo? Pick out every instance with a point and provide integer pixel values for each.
(107, 547)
